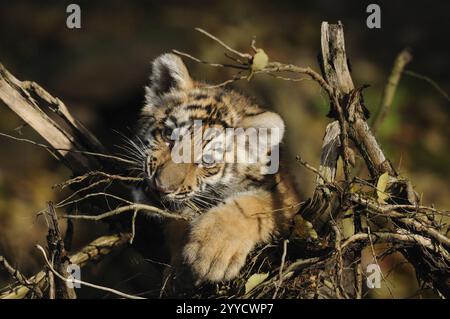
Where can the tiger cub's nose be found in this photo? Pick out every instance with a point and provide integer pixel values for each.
(161, 188)
(170, 177)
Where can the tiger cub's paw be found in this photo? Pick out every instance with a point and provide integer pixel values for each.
(216, 249)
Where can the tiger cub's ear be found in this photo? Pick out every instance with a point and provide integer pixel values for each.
(268, 120)
(269, 127)
(168, 73)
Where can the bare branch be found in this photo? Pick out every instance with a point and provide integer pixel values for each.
(15, 95)
(403, 58)
(74, 280)
(430, 81)
(81, 178)
(217, 65)
(406, 238)
(94, 251)
(52, 149)
(132, 207)
(16, 274)
(209, 35)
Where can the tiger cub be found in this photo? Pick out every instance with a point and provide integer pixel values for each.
(233, 204)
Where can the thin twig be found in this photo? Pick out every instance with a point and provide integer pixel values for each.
(93, 251)
(311, 168)
(270, 68)
(59, 205)
(209, 35)
(372, 248)
(280, 273)
(120, 210)
(430, 81)
(15, 273)
(358, 280)
(52, 286)
(405, 238)
(90, 186)
(52, 149)
(81, 178)
(340, 263)
(74, 280)
(133, 226)
(403, 58)
(216, 65)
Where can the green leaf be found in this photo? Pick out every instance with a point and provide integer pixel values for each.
(254, 281)
(381, 188)
(260, 60)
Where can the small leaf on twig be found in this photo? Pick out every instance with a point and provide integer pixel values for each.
(254, 281)
(381, 188)
(260, 60)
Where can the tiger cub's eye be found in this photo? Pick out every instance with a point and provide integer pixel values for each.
(208, 161)
(167, 133)
(209, 165)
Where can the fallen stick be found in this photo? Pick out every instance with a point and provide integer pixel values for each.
(94, 251)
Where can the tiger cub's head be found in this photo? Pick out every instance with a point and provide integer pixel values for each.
(199, 144)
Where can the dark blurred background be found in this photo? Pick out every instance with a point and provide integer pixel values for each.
(100, 71)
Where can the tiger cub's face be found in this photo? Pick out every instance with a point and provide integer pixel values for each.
(177, 107)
